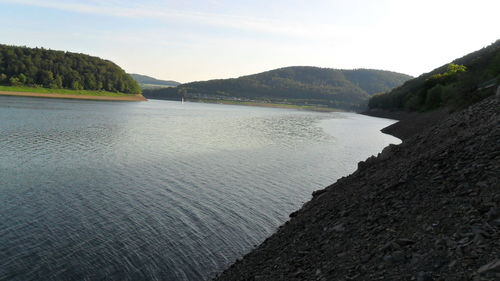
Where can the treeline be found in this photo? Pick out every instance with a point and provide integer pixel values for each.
(147, 82)
(38, 67)
(456, 85)
(346, 89)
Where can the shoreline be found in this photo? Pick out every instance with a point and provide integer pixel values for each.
(69, 96)
(271, 105)
(401, 215)
(409, 123)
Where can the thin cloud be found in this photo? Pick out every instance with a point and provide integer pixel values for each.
(260, 25)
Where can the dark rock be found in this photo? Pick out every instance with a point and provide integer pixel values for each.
(298, 272)
(318, 192)
(424, 276)
(398, 256)
(493, 266)
(423, 210)
(405, 242)
(339, 227)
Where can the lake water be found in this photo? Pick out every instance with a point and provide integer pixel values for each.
(159, 190)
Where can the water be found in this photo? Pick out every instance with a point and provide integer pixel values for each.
(159, 190)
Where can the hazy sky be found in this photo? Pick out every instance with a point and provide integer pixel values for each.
(187, 40)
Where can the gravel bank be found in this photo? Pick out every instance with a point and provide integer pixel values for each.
(409, 123)
(428, 209)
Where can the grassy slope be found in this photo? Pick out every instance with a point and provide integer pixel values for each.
(62, 91)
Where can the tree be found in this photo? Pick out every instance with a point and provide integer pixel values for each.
(58, 83)
(434, 97)
(451, 72)
(23, 79)
(57, 69)
(46, 78)
(75, 85)
(14, 81)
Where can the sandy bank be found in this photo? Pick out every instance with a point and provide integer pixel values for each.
(80, 97)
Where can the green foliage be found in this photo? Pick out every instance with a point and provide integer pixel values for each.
(22, 66)
(455, 68)
(61, 91)
(456, 85)
(22, 78)
(347, 89)
(413, 103)
(14, 81)
(433, 97)
(452, 71)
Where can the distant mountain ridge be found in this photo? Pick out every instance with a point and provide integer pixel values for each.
(148, 82)
(345, 89)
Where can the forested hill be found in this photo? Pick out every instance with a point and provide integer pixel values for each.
(346, 89)
(22, 66)
(147, 82)
(456, 85)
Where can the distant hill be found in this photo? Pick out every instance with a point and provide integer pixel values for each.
(456, 85)
(346, 89)
(38, 67)
(147, 82)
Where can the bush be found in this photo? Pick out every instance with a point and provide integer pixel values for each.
(14, 81)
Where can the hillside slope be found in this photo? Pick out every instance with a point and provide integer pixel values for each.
(147, 82)
(347, 89)
(428, 209)
(456, 85)
(38, 67)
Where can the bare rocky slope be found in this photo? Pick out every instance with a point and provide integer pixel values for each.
(428, 209)
(409, 123)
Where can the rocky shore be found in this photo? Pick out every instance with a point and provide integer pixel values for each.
(410, 123)
(428, 209)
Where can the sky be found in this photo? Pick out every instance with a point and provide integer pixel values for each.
(193, 40)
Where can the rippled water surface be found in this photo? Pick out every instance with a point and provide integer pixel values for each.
(159, 190)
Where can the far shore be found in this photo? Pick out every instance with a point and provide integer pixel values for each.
(69, 96)
(265, 104)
